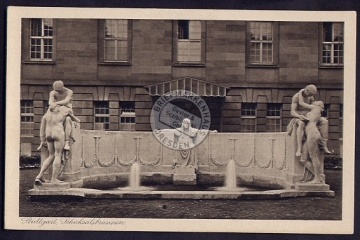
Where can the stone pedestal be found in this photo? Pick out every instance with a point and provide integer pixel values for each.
(71, 172)
(52, 186)
(319, 190)
(52, 189)
(312, 187)
(184, 175)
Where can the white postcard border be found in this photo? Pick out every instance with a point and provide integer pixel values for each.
(12, 219)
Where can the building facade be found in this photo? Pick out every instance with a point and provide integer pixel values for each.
(247, 72)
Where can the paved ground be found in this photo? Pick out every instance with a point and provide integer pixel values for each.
(307, 208)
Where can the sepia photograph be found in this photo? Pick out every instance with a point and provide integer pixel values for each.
(180, 120)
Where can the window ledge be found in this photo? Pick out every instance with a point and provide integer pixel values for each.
(331, 66)
(115, 63)
(261, 66)
(39, 62)
(188, 64)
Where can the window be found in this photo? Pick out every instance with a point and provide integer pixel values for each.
(248, 117)
(41, 39)
(27, 118)
(101, 116)
(332, 43)
(261, 43)
(127, 116)
(189, 41)
(116, 44)
(273, 117)
(325, 112)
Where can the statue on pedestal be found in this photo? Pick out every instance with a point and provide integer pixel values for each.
(185, 165)
(185, 138)
(313, 139)
(311, 132)
(55, 130)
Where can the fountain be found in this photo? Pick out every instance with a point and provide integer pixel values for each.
(134, 180)
(265, 160)
(231, 179)
(187, 156)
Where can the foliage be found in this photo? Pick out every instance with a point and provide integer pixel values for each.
(333, 163)
(33, 161)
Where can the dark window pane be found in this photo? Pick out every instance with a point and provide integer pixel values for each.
(327, 32)
(248, 109)
(183, 29)
(36, 26)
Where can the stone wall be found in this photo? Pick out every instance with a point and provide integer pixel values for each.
(298, 60)
(225, 51)
(78, 48)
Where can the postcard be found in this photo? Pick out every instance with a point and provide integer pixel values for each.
(180, 120)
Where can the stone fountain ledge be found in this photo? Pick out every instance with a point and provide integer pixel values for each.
(191, 195)
(256, 159)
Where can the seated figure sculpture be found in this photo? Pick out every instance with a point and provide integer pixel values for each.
(186, 134)
(299, 113)
(310, 156)
(185, 137)
(52, 132)
(298, 123)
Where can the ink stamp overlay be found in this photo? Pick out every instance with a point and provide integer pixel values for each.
(166, 115)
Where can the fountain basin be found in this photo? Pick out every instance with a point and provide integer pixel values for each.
(113, 180)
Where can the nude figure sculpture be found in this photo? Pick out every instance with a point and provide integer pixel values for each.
(52, 132)
(314, 141)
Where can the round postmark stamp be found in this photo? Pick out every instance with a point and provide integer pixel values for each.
(180, 119)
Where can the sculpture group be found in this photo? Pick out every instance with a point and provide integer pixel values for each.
(55, 131)
(311, 132)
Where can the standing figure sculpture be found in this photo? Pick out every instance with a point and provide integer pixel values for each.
(61, 96)
(313, 140)
(52, 132)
